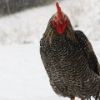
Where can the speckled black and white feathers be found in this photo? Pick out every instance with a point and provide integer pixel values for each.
(71, 64)
(89, 52)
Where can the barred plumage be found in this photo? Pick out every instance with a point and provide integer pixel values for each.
(70, 62)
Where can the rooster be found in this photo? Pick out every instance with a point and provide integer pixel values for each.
(69, 59)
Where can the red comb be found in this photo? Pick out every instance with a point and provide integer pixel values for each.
(59, 12)
(58, 7)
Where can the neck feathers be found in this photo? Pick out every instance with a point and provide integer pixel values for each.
(50, 33)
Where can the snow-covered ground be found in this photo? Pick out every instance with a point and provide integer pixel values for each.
(22, 75)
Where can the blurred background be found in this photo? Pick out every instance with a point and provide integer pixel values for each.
(22, 24)
(12, 6)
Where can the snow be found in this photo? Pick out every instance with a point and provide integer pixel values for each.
(22, 75)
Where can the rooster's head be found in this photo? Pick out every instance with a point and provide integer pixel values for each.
(60, 21)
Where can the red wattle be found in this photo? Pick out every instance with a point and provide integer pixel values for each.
(61, 28)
